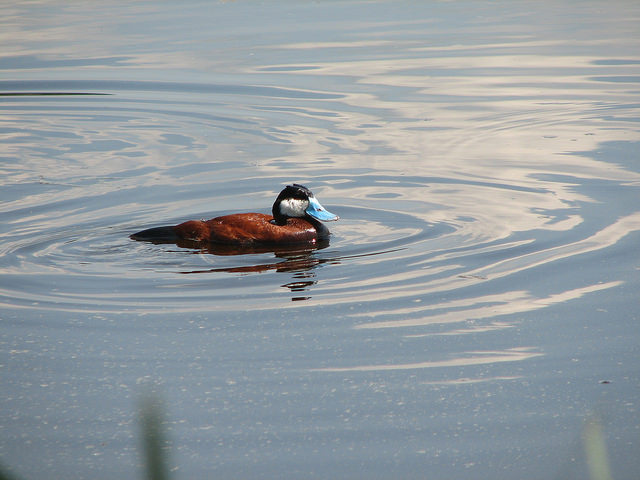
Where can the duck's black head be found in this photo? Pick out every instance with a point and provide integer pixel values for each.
(298, 201)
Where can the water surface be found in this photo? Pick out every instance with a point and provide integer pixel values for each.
(475, 309)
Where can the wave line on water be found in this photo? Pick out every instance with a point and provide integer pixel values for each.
(476, 358)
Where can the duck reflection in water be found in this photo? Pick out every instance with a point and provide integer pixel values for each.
(298, 261)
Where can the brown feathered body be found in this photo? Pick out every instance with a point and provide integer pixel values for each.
(250, 229)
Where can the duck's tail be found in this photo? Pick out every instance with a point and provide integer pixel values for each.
(156, 235)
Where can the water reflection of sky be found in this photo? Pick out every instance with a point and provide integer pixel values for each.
(483, 163)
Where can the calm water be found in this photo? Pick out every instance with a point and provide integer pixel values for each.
(477, 307)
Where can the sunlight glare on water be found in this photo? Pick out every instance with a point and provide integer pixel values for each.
(476, 305)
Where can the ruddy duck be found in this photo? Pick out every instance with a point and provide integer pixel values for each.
(296, 219)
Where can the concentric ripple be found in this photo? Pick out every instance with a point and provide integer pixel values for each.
(103, 166)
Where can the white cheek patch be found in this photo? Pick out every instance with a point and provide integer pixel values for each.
(293, 207)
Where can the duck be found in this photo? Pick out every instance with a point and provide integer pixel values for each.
(296, 218)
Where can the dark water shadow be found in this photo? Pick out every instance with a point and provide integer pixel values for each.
(299, 261)
(289, 258)
(50, 94)
(159, 86)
